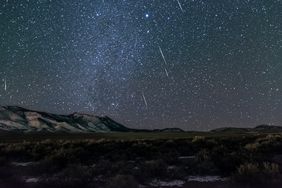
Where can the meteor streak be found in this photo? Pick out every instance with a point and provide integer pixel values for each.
(180, 6)
(145, 101)
(161, 51)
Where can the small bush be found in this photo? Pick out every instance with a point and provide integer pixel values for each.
(198, 139)
(248, 169)
(122, 181)
(270, 169)
(202, 155)
(252, 147)
(152, 169)
(253, 173)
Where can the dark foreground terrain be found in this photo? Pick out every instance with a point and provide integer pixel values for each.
(115, 160)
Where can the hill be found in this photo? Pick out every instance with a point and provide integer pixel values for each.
(17, 119)
(258, 129)
(22, 120)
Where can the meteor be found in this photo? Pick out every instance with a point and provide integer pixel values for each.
(161, 51)
(145, 101)
(5, 84)
(180, 6)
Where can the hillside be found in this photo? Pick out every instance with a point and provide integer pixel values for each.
(17, 119)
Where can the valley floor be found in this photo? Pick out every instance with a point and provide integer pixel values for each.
(198, 160)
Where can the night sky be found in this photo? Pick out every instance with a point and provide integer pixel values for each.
(193, 64)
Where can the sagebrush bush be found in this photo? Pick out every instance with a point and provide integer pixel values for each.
(153, 169)
(248, 169)
(203, 155)
(198, 139)
(271, 169)
(252, 147)
(254, 173)
(122, 181)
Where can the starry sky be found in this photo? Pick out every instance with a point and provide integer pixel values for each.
(192, 64)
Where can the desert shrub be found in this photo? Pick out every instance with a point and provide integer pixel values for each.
(77, 173)
(202, 155)
(270, 169)
(46, 166)
(122, 181)
(252, 147)
(152, 169)
(270, 143)
(144, 150)
(204, 163)
(227, 160)
(60, 158)
(40, 150)
(17, 151)
(123, 167)
(272, 138)
(72, 176)
(198, 139)
(176, 172)
(170, 157)
(253, 173)
(104, 167)
(248, 169)
(206, 168)
(185, 147)
(168, 144)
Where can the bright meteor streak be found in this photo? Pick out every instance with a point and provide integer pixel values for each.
(5, 84)
(180, 6)
(145, 101)
(161, 51)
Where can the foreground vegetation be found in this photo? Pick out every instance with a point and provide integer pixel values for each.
(140, 159)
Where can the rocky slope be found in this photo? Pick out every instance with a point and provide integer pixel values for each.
(14, 118)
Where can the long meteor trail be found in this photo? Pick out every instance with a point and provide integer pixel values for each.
(180, 6)
(145, 101)
(5, 84)
(166, 72)
(161, 51)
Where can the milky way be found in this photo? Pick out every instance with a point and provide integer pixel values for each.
(193, 64)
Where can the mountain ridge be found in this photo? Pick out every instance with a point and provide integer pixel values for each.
(19, 119)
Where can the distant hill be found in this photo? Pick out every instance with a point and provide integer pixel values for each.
(268, 128)
(175, 130)
(231, 129)
(259, 129)
(17, 119)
